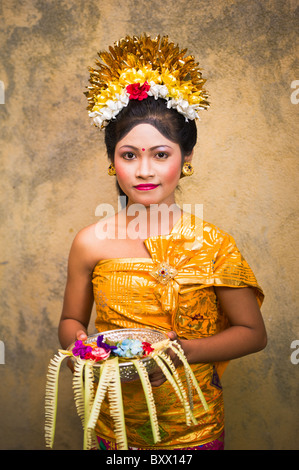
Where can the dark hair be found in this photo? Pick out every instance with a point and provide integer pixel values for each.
(167, 121)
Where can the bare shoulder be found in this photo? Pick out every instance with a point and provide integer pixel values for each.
(91, 243)
(84, 239)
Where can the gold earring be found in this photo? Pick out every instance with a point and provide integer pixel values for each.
(187, 169)
(111, 170)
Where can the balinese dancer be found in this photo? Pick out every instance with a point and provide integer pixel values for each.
(152, 265)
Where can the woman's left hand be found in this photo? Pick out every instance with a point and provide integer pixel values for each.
(157, 378)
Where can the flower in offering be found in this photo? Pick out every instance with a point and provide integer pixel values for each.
(98, 354)
(127, 348)
(101, 344)
(80, 349)
(147, 348)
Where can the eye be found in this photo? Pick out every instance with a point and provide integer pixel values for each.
(162, 155)
(128, 155)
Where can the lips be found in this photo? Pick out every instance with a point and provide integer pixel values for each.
(146, 187)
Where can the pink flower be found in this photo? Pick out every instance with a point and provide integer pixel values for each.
(98, 354)
(138, 92)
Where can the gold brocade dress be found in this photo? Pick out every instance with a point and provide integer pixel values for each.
(173, 290)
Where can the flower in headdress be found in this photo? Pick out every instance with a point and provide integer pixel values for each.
(158, 91)
(183, 107)
(137, 92)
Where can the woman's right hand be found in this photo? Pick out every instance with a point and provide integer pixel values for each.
(81, 336)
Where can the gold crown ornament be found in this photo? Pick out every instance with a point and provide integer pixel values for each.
(138, 67)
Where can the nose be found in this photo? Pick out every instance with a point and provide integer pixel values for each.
(144, 168)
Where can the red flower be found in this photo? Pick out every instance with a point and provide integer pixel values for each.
(147, 348)
(138, 92)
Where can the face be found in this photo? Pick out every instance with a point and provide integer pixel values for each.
(148, 166)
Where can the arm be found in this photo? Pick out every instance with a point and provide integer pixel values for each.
(78, 297)
(245, 335)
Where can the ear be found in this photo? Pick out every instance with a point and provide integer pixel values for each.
(188, 158)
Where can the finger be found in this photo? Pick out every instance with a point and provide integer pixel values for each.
(157, 378)
(157, 381)
(172, 335)
(81, 335)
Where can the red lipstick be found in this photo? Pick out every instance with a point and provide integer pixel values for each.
(146, 187)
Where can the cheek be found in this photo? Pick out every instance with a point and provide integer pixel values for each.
(173, 173)
(122, 172)
(124, 177)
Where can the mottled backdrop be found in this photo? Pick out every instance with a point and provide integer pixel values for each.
(53, 176)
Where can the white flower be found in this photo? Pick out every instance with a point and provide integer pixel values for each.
(158, 91)
(111, 110)
(96, 120)
(183, 107)
(107, 113)
(123, 99)
(111, 105)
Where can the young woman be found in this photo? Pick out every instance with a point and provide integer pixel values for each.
(169, 271)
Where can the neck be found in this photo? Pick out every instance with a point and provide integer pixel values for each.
(148, 221)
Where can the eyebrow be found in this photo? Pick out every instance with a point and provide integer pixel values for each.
(152, 148)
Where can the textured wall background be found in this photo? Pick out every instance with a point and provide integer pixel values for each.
(53, 176)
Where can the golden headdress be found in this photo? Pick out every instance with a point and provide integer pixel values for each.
(138, 67)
